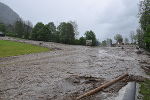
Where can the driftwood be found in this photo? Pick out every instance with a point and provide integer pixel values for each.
(105, 85)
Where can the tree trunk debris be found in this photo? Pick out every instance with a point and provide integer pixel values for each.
(105, 85)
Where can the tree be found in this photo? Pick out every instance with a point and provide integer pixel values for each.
(35, 32)
(126, 40)
(27, 29)
(140, 37)
(10, 30)
(82, 40)
(118, 38)
(53, 36)
(76, 42)
(66, 33)
(22, 29)
(104, 43)
(132, 36)
(144, 14)
(90, 35)
(109, 42)
(44, 34)
(98, 43)
(135, 38)
(75, 26)
(2, 28)
(19, 28)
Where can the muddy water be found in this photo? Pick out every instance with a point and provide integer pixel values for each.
(66, 72)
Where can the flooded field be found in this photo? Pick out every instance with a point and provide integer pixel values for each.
(67, 71)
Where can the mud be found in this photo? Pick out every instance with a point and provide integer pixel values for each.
(67, 72)
(145, 62)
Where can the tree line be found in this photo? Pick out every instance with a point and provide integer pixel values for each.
(65, 32)
(143, 33)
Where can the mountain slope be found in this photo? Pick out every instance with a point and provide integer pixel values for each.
(7, 15)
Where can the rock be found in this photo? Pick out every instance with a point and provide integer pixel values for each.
(40, 43)
(139, 52)
(74, 79)
(137, 48)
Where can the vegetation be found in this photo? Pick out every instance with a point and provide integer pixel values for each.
(2, 28)
(90, 35)
(133, 37)
(104, 43)
(118, 38)
(35, 31)
(82, 40)
(9, 48)
(65, 32)
(21, 29)
(143, 38)
(145, 89)
(75, 27)
(126, 40)
(109, 42)
(144, 31)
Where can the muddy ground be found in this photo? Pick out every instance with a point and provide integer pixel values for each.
(67, 71)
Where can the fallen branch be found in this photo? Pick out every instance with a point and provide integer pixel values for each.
(105, 85)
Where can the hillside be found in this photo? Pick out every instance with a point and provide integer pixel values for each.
(7, 15)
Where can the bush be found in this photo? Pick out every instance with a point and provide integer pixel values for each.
(11, 34)
(76, 42)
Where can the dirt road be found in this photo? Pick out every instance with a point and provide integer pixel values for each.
(65, 72)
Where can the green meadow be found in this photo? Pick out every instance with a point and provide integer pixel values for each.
(11, 48)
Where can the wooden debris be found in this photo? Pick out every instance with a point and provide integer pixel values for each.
(105, 85)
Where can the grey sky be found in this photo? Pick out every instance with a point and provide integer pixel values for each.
(104, 17)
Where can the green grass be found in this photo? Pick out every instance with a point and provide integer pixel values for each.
(10, 48)
(145, 89)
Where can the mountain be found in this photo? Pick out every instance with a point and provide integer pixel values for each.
(7, 15)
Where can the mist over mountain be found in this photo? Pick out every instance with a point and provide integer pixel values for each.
(7, 15)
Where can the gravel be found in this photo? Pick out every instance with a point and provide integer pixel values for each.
(44, 76)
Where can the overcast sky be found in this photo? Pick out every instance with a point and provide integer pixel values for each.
(105, 17)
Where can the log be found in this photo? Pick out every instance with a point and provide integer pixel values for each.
(105, 85)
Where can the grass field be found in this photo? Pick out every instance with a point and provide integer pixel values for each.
(10, 48)
(145, 89)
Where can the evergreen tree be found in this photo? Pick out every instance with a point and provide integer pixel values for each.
(19, 28)
(27, 29)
